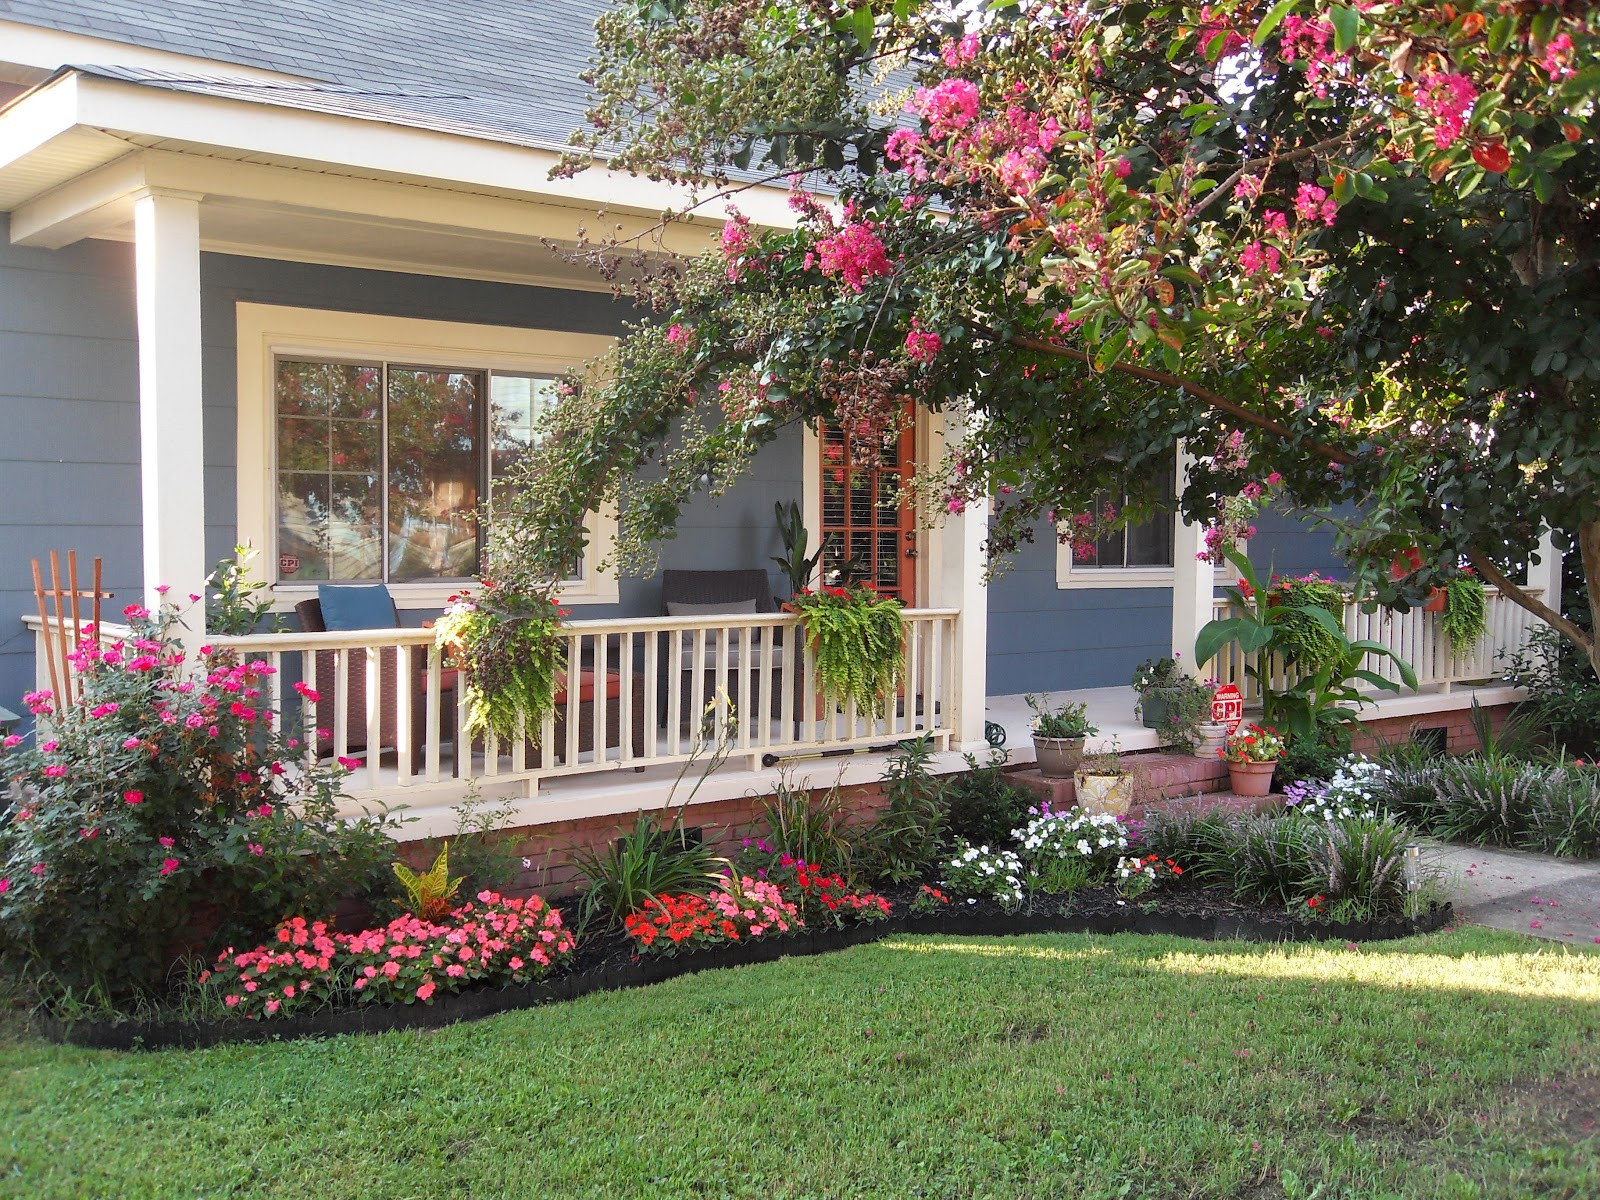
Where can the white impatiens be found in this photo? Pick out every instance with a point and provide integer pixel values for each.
(975, 871)
(1351, 793)
(1061, 834)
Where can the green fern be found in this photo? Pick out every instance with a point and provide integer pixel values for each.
(859, 643)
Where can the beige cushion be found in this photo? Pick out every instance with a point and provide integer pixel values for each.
(725, 608)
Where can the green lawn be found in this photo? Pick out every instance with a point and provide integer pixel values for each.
(1462, 1064)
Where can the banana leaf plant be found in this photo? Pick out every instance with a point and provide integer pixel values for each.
(1316, 702)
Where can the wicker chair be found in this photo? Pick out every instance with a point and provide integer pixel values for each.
(730, 591)
(327, 673)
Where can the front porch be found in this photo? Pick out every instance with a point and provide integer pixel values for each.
(652, 696)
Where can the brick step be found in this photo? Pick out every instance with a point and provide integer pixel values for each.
(1209, 802)
(1157, 776)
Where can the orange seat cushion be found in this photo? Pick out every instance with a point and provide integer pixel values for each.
(586, 687)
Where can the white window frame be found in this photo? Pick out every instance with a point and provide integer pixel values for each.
(268, 332)
(1070, 576)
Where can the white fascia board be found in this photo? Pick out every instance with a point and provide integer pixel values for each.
(394, 150)
(47, 50)
(37, 119)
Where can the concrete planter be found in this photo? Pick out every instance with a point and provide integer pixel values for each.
(1211, 735)
(1058, 758)
(1110, 795)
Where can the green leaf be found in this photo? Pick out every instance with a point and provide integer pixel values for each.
(1377, 681)
(863, 22)
(1272, 20)
(1346, 25)
(1500, 31)
(1215, 635)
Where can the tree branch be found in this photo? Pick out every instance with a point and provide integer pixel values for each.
(1494, 575)
(1200, 392)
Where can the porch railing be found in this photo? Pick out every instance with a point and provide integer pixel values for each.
(638, 692)
(1417, 637)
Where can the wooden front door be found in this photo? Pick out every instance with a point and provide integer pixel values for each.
(869, 531)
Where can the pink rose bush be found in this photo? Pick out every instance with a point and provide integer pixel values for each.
(495, 941)
(163, 802)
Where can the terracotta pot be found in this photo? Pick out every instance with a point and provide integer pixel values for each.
(1109, 795)
(1436, 599)
(1058, 757)
(1251, 778)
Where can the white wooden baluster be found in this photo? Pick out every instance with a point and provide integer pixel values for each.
(433, 709)
(652, 694)
(341, 703)
(602, 695)
(405, 670)
(673, 669)
(574, 698)
(625, 713)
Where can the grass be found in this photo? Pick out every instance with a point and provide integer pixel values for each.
(1455, 1065)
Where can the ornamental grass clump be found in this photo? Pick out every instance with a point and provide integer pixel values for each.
(494, 941)
(510, 647)
(859, 643)
(163, 812)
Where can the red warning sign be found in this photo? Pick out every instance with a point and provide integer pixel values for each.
(1227, 707)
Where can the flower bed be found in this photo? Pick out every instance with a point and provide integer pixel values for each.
(1193, 913)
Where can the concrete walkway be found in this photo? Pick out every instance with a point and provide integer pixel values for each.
(1554, 898)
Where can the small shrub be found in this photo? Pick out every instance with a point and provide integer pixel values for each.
(904, 842)
(1137, 876)
(649, 861)
(1358, 864)
(977, 872)
(487, 859)
(162, 806)
(1563, 693)
(1315, 757)
(983, 806)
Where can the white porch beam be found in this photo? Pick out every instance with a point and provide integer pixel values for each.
(961, 586)
(171, 446)
(1546, 573)
(1193, 581)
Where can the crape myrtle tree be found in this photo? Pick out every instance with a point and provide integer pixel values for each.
(1346, 254)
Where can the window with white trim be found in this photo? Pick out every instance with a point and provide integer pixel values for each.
(381, 465)
(366, 444)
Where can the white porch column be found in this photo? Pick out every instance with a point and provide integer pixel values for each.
(1546, 573)
(960, 585)
(172, 452)
(1193, 581)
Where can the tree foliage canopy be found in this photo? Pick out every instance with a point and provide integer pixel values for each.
(1346, 253)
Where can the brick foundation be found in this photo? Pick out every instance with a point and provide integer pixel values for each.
(547, 849)
(1457, 734)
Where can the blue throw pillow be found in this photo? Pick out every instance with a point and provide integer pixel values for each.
(366, 607)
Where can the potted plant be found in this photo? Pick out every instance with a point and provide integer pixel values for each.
(858, 640)
(1171, 701)
(1058, 736)
(795, 562)
(1104, 783)
(1466, 611)
(1252, 753)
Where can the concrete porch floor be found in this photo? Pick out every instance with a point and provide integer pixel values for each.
(621, 791)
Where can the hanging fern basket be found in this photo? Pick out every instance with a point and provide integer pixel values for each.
(859, 643)
(514, 657)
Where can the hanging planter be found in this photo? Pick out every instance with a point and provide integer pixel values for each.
(859, 643)
(511, 648)
(1465, 606)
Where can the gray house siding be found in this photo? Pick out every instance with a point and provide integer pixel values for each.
(69, 428)
(1042, 638)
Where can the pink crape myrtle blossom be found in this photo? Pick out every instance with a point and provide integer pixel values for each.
(854, 255)
(1448, 99)
(948, 108)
